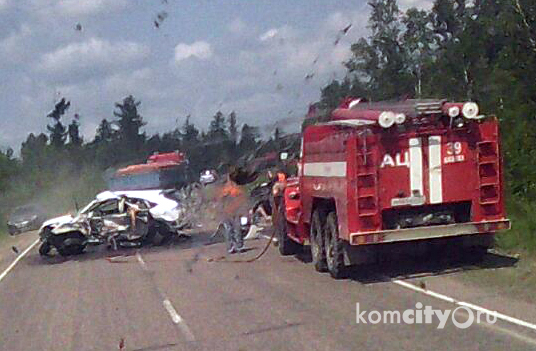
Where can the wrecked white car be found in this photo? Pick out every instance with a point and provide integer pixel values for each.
(122, 218)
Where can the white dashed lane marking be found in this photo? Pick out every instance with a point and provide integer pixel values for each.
(175, 317)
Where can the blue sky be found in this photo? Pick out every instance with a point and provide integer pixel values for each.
(207, 55)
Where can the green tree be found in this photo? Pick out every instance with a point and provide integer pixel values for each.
(217, 131)
(57, 129)
(380, 62)
(248, 139)
(105, 132)
(129, 122)
(418, 40)
(233, 128)
(74, 132)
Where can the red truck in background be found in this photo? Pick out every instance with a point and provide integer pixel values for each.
(378, 177)
(162, 171)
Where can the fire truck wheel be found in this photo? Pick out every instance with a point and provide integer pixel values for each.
(287, 246)
(334, 248)
(318, 253)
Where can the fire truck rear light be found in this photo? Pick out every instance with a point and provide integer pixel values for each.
(386, 119)
(454, 111)
(470, 110)
(400, 118)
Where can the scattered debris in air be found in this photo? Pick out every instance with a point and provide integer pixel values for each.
(279, 87)
(122, 344)
(310, 76)
(78, 27)
(160, 17)
(342, 33)
(15, 250)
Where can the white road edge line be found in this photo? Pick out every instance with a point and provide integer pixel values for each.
(19, 257)
(446, 298)
(177, 319)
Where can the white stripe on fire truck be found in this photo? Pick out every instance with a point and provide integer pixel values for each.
(434, 169)
(415, 166)
(324, 169)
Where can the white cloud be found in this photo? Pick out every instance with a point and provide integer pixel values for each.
(88, 7)
(200, 49)
(271, 33)
(93, 53)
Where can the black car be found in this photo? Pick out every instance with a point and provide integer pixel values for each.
(25, 218)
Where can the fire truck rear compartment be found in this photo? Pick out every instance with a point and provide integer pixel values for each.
(430, 215)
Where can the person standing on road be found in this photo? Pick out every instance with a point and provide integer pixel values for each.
(235, 205)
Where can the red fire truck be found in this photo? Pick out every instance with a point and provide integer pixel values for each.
(162, 171)
(383, 176)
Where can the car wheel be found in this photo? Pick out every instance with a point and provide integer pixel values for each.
(160, 236)
(334, 248)
(45, 248)
(287, 246)
(318, 253)
(71, 244)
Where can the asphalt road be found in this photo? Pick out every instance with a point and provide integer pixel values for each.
(179, 298)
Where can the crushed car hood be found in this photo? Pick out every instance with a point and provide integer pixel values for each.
(56, 221)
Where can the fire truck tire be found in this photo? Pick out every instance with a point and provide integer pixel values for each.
(334, 248)
(287, 246)
(318, 254)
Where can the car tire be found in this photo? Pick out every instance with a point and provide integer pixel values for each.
(71, 244)
(161, 236)
(318, 254)
(334, 248)
(286, 246)
(44, 248)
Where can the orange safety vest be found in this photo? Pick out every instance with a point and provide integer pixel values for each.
(233, 197)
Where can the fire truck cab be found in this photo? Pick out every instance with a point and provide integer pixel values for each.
(385, 174)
